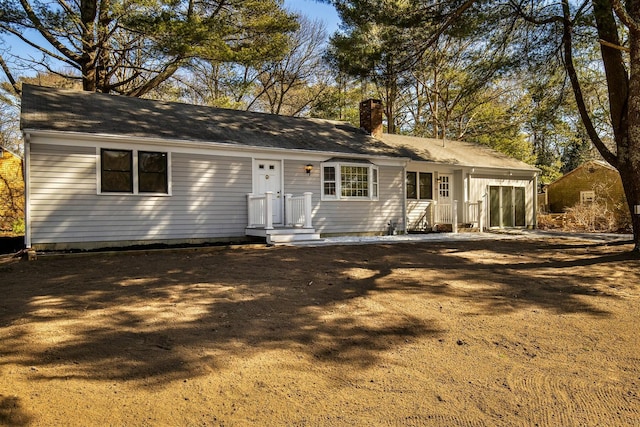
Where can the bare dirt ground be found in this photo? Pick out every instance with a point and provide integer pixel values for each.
(468, 333)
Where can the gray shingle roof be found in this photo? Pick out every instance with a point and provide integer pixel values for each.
(95, 113)
(452, 152)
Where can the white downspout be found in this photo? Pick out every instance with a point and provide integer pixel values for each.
(27, 190)
(535, 200)
(404, 198)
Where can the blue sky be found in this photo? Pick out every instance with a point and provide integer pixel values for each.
(310, 8)
(314, 10)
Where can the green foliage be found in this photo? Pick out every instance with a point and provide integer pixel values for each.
(132, 47)
(18, 227)
(10, 136)
(340, 102)
(442, 85)
(549, 172)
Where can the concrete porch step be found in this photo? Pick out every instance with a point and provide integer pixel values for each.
(282, 237)
(285, 235)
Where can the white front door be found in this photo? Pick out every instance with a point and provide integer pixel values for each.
(267, 178)
(445, 195)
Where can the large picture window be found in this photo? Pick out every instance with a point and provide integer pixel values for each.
(345, 181)
(419, 185)
(134, 172)
(354, 181)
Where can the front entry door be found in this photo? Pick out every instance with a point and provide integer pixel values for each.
(445, 196)
(444, 189)
(267, 176)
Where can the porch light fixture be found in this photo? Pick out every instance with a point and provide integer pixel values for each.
(308, 169)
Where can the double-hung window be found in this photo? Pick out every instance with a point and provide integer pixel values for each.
(133, 172)
(349, 181)
(116, 171)
(152, 172)
(419, 185)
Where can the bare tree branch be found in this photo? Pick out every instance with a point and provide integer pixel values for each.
(7, 72)
(47, 34)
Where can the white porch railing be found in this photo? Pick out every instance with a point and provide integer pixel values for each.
(443, 213)
(297, 210)
(474, 213)
(471, 213)
(446, 213)
(260, 210)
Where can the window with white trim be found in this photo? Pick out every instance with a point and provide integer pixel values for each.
(349, 181)
(419, 185)
(152, 172)
(133, 172)
(116, 171)
(587, 197)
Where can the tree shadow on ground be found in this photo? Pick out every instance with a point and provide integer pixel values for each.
(174, 315)
(12, 413)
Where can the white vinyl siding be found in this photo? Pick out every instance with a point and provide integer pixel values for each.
(347, 216)
(208, 201)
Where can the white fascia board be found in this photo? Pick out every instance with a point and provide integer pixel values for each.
(198, 147)
(481, 170)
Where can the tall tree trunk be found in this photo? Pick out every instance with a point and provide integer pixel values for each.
(88, 11)
(102, 54)
(629, 150)
(624, 95)
(614, 67)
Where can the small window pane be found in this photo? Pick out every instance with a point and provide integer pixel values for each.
(330, 188)
(411, 185)
(116, 171)
(329, 185)
(329, 173)
(374, 182)
(426, 185)
(152, 172)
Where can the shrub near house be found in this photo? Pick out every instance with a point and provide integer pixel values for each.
(11, 193)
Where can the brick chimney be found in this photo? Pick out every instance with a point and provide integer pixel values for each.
(371, 112)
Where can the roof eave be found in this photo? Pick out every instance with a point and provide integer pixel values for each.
(78, 136)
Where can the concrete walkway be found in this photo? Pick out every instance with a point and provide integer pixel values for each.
(492, 235)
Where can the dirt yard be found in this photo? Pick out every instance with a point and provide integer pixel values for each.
(471, 333)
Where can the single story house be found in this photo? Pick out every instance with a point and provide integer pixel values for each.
(11, 191)
(452, 183)
(589, 182)
(105, 171)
